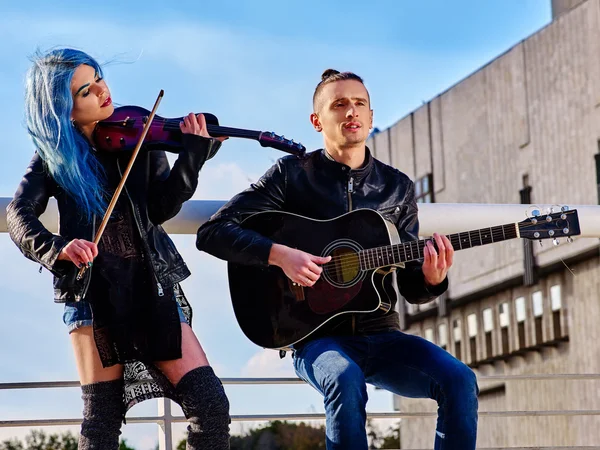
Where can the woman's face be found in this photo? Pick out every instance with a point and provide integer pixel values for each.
(91, 98)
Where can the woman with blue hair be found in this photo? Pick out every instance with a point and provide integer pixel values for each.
(128, 318)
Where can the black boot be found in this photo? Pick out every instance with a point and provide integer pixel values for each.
(102, 415)
(205, 405)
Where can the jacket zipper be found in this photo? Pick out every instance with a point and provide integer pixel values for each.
(350, 191)
(89, 276)
(159, 287)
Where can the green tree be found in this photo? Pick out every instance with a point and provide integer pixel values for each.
(39, 440)
(123, 445)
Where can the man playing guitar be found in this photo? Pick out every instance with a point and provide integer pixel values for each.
(352, 349)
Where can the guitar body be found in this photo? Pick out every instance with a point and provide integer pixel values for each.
(275, 313)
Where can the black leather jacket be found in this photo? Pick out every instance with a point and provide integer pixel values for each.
(155, 191)
(316, 186)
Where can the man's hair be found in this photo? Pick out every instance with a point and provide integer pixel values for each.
(331, 76)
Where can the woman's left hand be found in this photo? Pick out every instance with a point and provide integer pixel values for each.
(196, 124)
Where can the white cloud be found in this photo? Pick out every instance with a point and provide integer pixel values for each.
(267, 363)
(221, 181)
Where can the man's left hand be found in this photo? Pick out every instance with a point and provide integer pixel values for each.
(436, 264)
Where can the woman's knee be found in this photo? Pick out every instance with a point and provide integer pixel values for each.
(202, 396)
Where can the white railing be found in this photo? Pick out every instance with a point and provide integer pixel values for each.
(456, 217)
(444, 218)
(165, 419)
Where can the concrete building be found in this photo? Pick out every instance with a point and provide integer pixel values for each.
(523, 129)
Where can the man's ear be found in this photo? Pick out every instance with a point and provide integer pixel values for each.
(316, 123)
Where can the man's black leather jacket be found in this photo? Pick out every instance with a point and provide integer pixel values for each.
(316, 186)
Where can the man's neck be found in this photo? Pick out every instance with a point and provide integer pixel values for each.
(354, 157)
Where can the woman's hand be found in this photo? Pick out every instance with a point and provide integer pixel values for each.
(196, 124)
(80, 252)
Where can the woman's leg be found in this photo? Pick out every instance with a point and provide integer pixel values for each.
(102, 393)
(201, 394)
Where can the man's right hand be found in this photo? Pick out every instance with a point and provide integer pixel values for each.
(300, 267)
(79, 252)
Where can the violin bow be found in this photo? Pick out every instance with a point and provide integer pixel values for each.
(115, 196)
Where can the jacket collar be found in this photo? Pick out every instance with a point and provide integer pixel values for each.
(336, 167)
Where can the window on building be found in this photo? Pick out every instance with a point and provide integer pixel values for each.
(488, 328)
(472, 330)
(597, 158)
(521, 314)
(424, 189)
(429, 335)
(443, 335)
(537, 303)
(457, 335)
(504, 318)
(556, 306)
(529, 262)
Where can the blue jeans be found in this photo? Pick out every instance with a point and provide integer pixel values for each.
(338, 367)
(79, 314)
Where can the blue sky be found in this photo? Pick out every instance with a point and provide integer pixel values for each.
(255, 65)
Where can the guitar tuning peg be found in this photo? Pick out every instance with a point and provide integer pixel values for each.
(564, 208)
(541, 243)
(556, 242)
(569, 239)
(536, 213)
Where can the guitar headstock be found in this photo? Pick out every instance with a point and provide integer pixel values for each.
(270, 139)
(564, 223)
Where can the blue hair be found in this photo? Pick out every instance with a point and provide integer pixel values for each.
(65, 151)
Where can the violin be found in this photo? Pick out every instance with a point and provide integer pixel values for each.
(123, 129)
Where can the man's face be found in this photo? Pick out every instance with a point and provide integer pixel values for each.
(343, 113)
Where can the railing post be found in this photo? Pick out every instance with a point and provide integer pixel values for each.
(165, 426)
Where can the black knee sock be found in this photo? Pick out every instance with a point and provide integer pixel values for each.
(205, 405)
(102, 415)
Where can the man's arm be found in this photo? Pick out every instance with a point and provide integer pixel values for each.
(224, 237)
(414, 285)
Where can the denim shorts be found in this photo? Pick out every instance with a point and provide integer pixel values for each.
(79, 314)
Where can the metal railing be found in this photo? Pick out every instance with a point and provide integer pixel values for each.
(165, 419)
(457, 217)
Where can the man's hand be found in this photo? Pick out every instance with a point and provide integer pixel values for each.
(436, 265)
(300, 267)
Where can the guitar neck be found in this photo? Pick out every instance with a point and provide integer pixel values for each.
(374, 258)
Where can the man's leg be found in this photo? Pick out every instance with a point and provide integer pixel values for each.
(332, 367)
(411, 366)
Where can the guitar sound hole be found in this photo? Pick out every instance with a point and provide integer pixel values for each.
(344, 267)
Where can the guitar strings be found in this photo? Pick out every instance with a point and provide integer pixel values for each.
(372, 256)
